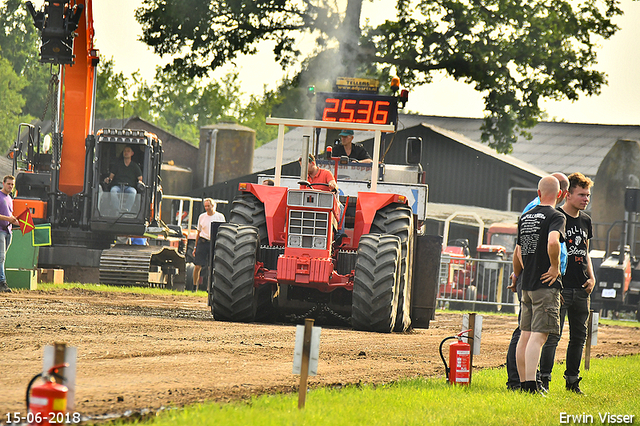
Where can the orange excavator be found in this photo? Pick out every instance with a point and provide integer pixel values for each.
(68, 183)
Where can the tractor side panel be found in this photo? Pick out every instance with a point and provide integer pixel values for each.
(366, 207)
(274, 199)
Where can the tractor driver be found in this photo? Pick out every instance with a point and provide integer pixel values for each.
(320, 176)
(124, 176)
(323, 176)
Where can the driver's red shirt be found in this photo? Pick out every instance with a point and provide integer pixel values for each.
(323, 176)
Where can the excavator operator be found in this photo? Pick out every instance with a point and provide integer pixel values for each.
(125, 176)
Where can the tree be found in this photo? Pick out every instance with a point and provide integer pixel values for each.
(515, 53)
(11, 103)
(184, 104)
(110, 90)
(19, 44)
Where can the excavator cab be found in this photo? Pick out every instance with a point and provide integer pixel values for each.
(121, 208)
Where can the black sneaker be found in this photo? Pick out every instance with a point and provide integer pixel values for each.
(4, 288)
(532, 388)
(575, 387)
(544, 384)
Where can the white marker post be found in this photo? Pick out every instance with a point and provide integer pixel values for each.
(61, 354)
(474, 322)
(305, 356)
(592, 337)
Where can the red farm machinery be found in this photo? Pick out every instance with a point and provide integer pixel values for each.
(282, 254)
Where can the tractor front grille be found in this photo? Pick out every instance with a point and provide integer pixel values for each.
(308, 229)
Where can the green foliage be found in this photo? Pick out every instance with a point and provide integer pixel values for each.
(184, 104)
(515, 53)
(178, 104)
(11, 103)
(109, 90)
(611, 387)
(255, 113)
(20, 44)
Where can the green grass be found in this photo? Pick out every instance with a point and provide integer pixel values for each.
(119, 289)
(627, 320)
(622, 323)
(611, 386)
(483, 313)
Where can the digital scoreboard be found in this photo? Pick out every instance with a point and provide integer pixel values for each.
(356, 108)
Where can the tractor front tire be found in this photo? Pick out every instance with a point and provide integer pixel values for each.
(397, 219)
(375, 283)
(246, 209)
(234, 296)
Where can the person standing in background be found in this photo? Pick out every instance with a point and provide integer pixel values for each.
(513, 379)
(537, 259)
(202, 250)
(6, 220)
(578, 282)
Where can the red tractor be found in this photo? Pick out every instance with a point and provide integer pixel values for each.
(482, 279)
(279, 254)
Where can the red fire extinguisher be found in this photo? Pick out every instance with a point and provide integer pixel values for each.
(47, 400)
(459, 369)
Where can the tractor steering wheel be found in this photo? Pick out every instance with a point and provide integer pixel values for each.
(318, 183)
(335, 191)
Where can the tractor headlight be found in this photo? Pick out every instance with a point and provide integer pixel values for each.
(617, 285)
(603, 283)
(319, 242)
(295, 240)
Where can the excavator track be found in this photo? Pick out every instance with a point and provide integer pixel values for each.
(143, 266)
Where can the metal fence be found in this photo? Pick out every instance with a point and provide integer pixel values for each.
(475, 284)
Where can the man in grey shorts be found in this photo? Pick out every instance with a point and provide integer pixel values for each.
(540, 232)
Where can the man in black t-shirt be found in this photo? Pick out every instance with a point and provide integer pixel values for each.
(578, 282)
(540, 232)
(124, 175)
(354, 151)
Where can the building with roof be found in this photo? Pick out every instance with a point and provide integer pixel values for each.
(460, 170)
(554, 146)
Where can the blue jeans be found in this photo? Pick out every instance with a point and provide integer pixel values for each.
(128, 198)
(576, 309)
(5, 242)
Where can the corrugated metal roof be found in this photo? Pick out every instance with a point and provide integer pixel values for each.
(554, 146)
(509, 159)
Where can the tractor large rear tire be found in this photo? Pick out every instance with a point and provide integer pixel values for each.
(375, 301)
(397, 219)
(246, 209)
(234, 296)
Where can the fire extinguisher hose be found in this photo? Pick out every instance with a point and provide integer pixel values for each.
(53, 372)
(446, 367)
(31, 382)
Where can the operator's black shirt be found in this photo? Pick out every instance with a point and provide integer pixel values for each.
(127, 175)
(579, 232)
(357, 152)
(534, 227)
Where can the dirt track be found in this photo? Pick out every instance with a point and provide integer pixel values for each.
(139, 351)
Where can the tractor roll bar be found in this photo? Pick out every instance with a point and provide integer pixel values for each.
(293, 122)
